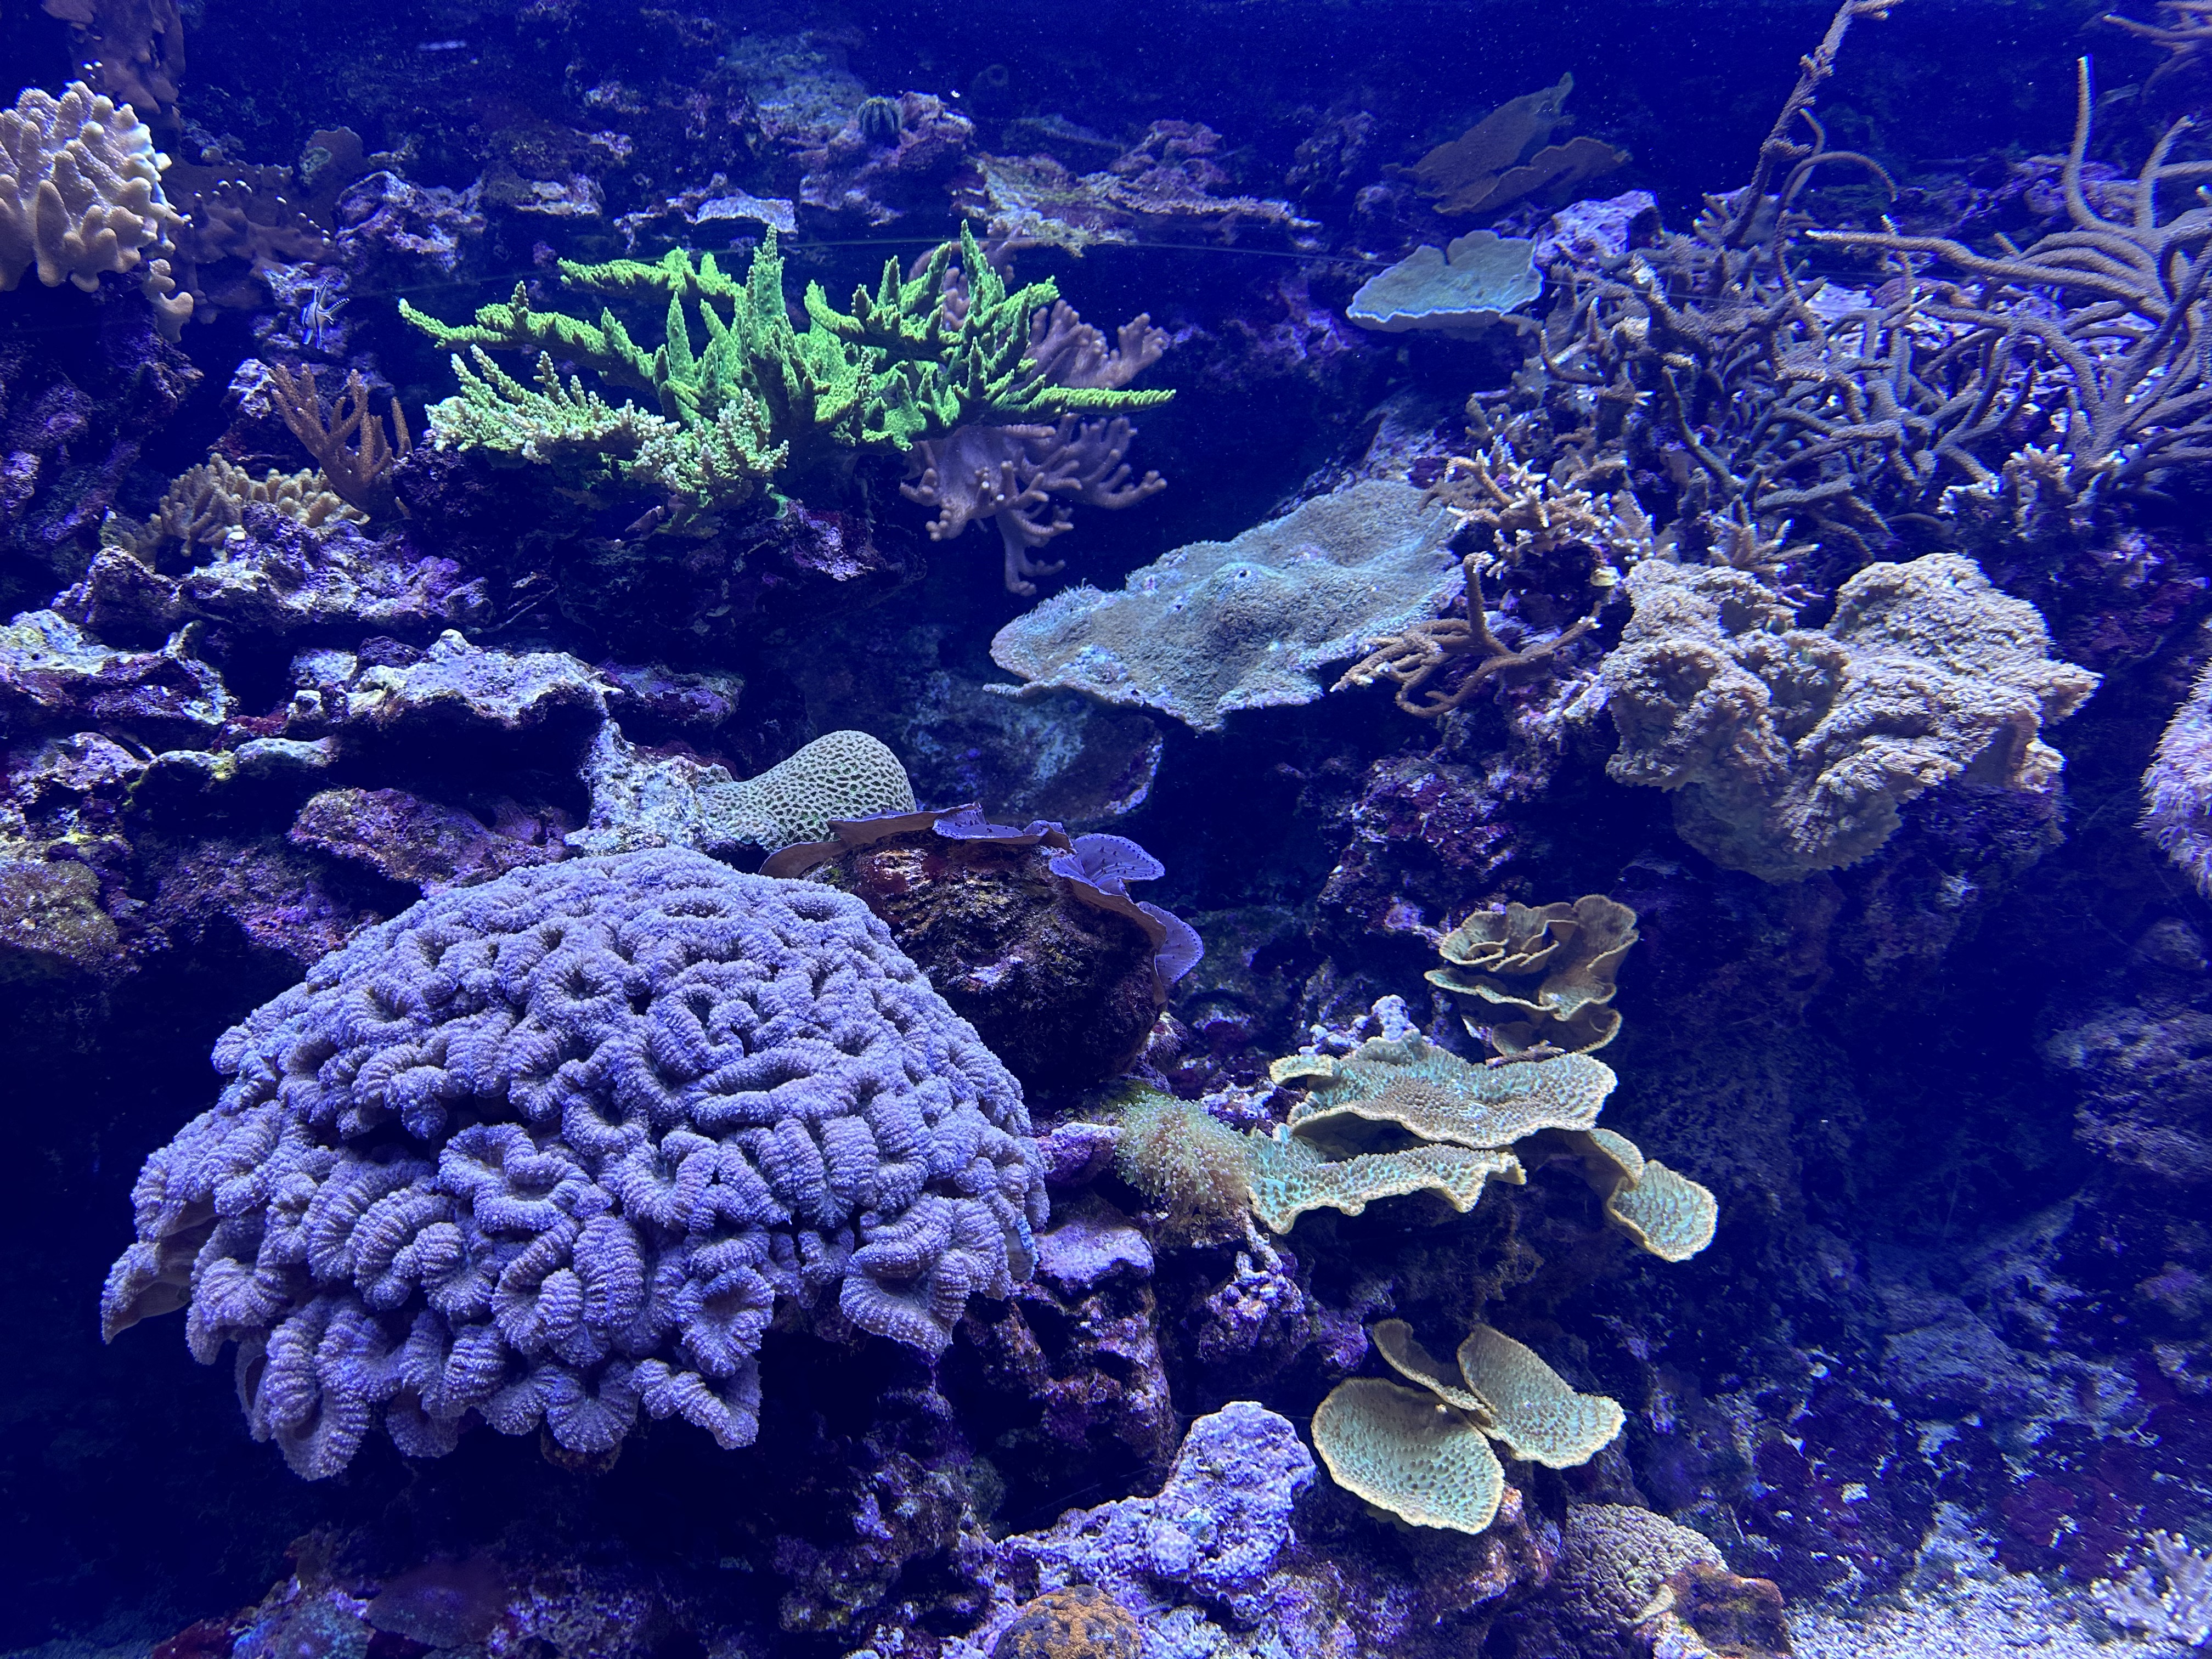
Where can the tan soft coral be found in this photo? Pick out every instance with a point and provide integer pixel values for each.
(1024, 479)
(1790, 751)
(80, 189)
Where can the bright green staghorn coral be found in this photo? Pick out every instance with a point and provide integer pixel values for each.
(900, 366)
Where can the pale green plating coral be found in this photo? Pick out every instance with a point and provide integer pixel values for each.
(749, 394)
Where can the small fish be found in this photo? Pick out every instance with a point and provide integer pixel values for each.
(441, 46)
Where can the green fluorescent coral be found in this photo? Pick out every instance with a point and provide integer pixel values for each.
(758, 394)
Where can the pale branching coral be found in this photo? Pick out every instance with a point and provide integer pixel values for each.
(350, 444)
(2178, 788)
(555, 1148)
(1520, 516)
(1024, 479)
(1072, 353)
(1540, 976)
(842, 775)
(206, 506)
(1790, 751)
(2179, 1609)
(80, 192)
(1216, 627)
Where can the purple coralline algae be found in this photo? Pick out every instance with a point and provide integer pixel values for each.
(1214, 1533)
(554, 1148)
(278, 577)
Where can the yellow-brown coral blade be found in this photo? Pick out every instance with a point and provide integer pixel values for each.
(1443, 1098)
(1669, 1214)
(1410, 1454)
(1290, 1176)
(1533, 1410)
(1404, 1354)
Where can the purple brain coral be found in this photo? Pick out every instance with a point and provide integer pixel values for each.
(551, 1149)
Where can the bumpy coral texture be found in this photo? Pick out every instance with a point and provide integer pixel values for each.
(1790, 751)
(1216, 627)
(843, 775)
(80, 189)
(554, 1147)
(2178, 788)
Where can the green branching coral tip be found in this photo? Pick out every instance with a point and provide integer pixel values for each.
(899, 366)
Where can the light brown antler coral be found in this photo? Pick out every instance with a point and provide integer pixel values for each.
(351, 447)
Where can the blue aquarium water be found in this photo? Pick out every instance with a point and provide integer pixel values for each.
(1234, 829)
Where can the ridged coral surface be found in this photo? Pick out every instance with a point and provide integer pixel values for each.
(1790, 751)
(554, 1147)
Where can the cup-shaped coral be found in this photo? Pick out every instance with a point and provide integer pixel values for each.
(1541, 976)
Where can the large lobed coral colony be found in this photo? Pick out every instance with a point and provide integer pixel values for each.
(553, 1150)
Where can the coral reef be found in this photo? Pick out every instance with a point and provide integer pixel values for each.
(455, 1175)
(1789, 750)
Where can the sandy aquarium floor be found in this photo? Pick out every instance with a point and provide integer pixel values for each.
(2003, 1617)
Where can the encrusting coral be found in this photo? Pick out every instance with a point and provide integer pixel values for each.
(2177, 786)
(1614, 1556)
(759, 396)
(1790, 751)
(80, 196)
(840, 774)
(555, 1147)
(1216, 627)
(1575, 948)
